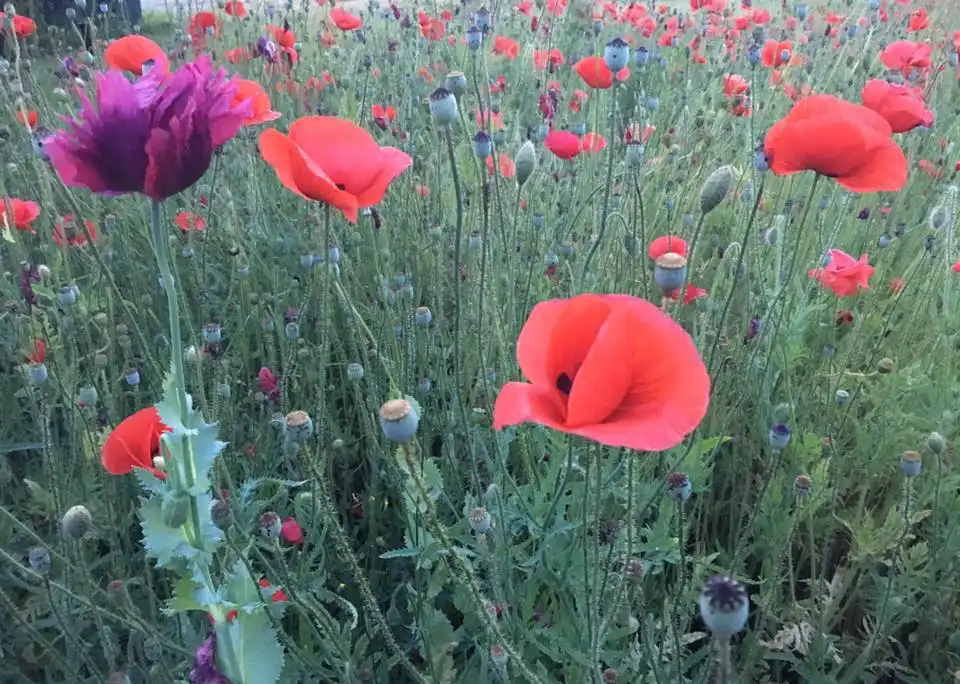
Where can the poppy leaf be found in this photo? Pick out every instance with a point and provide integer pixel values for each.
(258, 657)
(184, 597)
(166, 544)
(40, 495)
(400, 553)
(150, 482)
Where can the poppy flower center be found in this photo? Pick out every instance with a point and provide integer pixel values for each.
(565, 383)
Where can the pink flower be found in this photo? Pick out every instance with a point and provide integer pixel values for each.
(155, 136)
(843, 274)
(291, 531)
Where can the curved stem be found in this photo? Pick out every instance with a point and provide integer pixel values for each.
(606, 189)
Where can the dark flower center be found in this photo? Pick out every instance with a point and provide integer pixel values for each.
(564, 383)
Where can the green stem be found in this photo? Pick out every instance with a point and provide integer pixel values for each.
(606, 188)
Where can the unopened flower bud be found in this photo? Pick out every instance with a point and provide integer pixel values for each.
(525, 162)
(936, 443)
(716, 188)
(76, 522)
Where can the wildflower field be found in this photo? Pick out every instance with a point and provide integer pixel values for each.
(552, 342)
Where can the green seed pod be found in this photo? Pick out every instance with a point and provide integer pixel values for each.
(526, 162)
(716, 188)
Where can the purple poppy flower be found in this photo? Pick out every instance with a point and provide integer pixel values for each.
(155, 136)
(204, 670)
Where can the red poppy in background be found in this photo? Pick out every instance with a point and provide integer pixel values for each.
(734, 84)
(691, 294)
(775, 54)
(291, 531)
(237, 55)
(284, 36)
(596, 74)
(508, 169)
(261, 111)
(344, 20)
(19, 214)
(188, 221)
(30, 119)
(610, 368)
(235, 8)
(203, 24)
(907, 56)
(843, 275)
(918, 21)
(134, 53)
(22, 26)
(901, 106)
(39, 353)
(134, 443)
(562, 144)
(666, 244)
(67, 234)
(835, 138)
(593, 143)
(506, 47)
(333, 160)
(383, 116)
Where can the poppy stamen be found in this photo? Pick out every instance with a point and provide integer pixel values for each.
(564, 383)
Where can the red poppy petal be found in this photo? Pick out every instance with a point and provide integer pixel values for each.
(604, 378)
(534, 341)
(392, 163)
(278, 150)
(520, 402)
(573, 334)
(132, 443)
(886, 170)
(347, 153)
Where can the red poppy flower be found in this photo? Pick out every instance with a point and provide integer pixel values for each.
(203, 24)
(237, 55)
(285, 37)
(918, 21)
(901, 106)
(596, 74)
(563, 144)
(907, 55)
(261, 111)
(291, 531)
(187, 221)
(849, 143)
(22, 26)
(506, 47)
(31, 118)
(383, 116)
(66, 233)
(344, 20)
(235, 8)
(39, 354)
(666, 244)
(843, 275)
(593, 143)
(775, 54)
(134, 443)
(334, 161)
(132, 53)
(19, 214)
(508, 169)
(610, 368)
(734, 84)
(690, 294)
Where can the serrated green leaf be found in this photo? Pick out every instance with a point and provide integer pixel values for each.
(257, 657)
(149, 482)
(184, 597)
(240, 587)
(437, 631)
(166, 544)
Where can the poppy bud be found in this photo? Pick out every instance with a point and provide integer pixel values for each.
(456, 83)
(842, 397)
(498, 655)
(724, 606)
(716, 188)
(76, 522)
(938, 217)
(525, 162)
(443, 107)
(220, 514)
(936, 443)
(616, 54)
(670, 271)
(175, 509)
(399, 420)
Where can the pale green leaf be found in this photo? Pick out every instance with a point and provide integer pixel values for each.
(258, 657)
(400, 553)
(184, 597)
(167, 544)
(40, 496)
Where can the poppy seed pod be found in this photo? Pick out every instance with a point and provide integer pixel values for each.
(355, 372)
(443, 107)
(298, 426)
(270, 525)
(525, 162)
(482, 145)
(479, 519)
(724, 606)
(39, 559)
(911, 463)
(399, 420)
(616, 54)
(634, 156)
(679, 487)
(76, 522)
(456, 83)
(474, 38)
(670, 271)
(716, 188)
